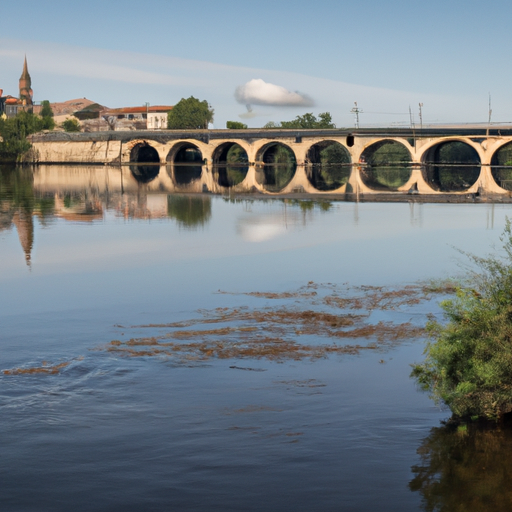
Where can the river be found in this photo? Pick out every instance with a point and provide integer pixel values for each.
(205, 352)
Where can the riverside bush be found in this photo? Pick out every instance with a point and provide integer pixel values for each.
(468, 364)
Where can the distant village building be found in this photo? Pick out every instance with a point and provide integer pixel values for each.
(9, 105)
(138, 118)
(92, 116)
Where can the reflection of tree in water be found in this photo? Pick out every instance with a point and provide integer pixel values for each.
(451, 166)
(465, 470)
(308, 205)
(275, 177)
(19, 203)
(185, 174)
(385, 178)
(503, 157)
(503, 177)
(329, 165)
(17, 192)
(230, 175)
(452, 178)
(188, 211)
(328, 176)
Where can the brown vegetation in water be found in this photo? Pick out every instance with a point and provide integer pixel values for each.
(292, 330)
(316, 321)
(45, 369)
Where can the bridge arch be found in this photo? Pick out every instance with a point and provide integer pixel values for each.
(501, 165)
(386, 152)
(185, 152)
(387, 164)
(502, 155)
(328, 152)
(328, 165)
(274, 153)
(230, 152)
(230, 164)
(452, 164)
(452, 150)
(143, 152)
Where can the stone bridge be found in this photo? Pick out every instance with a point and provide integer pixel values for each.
(165, 146)
(487, 147)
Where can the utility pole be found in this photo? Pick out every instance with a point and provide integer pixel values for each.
(412, 126)
(421, 117)
(356, 110)
(490, 114)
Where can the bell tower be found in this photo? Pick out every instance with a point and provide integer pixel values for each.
(26, 92)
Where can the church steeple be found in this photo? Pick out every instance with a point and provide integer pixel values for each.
(26, 92)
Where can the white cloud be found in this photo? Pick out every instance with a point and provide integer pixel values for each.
(259, 92)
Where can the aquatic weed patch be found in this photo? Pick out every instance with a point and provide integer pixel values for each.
(315, 321)
(44, 369)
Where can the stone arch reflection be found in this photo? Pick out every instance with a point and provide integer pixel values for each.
(501, 166)
(185, 163)
(230, 164)
(144, 173)
(279, 166)
(328, 166)
(184, 174)
(386, 165)
(451, 166)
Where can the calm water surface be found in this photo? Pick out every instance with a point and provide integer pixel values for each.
(83, 265)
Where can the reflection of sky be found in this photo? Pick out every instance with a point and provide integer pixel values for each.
(369, 243)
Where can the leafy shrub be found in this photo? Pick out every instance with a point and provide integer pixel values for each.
(468, 364)
(71, 124)
(235, 125)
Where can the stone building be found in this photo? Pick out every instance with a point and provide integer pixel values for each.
(9, 105)
(26, 92)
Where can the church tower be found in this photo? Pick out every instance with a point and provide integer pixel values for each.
(26, 92)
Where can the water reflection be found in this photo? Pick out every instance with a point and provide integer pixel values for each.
(19, 204)
(189, 212)
(451, 178)
(465, 470)
(293, 215)
(327, 177)
(230, 175)
(275, 177)
(144, 173)
(389, 178)
(184, 174)
(503, 176)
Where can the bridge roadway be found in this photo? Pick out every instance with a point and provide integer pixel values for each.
(123, 146)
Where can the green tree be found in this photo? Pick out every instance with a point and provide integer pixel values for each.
(71, 124)
(47, 115)
(235, 125)
(13, 133)
(190, 114)
(468, 364)
(306, 122)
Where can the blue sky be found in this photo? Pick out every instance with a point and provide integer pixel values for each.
(387, 56)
